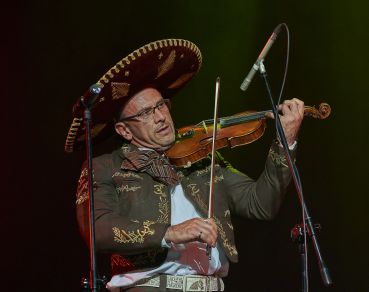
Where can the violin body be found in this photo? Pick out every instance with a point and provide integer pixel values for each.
(195, 142)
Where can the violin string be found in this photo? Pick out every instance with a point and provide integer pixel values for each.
(234, 120)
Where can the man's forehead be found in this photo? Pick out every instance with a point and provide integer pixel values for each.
(146, 94)
(143, 99)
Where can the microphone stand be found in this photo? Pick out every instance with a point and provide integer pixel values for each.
(93, 283)
(307, 228)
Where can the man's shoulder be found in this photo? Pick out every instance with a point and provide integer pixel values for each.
(111, 160)
(203, 167)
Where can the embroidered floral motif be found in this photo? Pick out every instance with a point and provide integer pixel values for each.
(118, 260)
(127, 188)
(159, 190)
(83, 175)
(82, 198)
(127, 175)
(82, 189)
(195, 193)
(202, 171)
(138, 236)
(231, 248)
(119, 89)
(181, 80)
(167, 64)
(277, 158)
(122, 264)
(163, 204)
(217, 179)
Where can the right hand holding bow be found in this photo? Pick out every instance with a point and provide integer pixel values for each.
(196, 229)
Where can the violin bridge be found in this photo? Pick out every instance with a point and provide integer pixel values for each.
(205, 127)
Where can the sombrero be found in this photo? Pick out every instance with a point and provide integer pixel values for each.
(166, 65)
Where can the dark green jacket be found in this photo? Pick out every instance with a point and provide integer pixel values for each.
(132, 210)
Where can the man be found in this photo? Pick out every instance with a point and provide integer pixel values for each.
(151, 216)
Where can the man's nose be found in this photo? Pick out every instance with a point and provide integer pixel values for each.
(158, 116)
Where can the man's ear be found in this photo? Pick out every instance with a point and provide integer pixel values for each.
(122, 129)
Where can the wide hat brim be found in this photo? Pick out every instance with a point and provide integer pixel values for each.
(166, 65)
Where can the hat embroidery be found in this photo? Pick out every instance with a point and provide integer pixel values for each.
(167, 64)
(182, 79)
(119, 89)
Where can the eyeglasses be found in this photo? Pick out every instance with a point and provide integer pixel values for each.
(147, 113)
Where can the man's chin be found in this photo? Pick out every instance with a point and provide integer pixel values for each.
(165, 146)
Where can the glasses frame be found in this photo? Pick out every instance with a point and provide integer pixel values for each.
(146, 113)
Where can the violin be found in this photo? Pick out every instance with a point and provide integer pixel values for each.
(194, 142)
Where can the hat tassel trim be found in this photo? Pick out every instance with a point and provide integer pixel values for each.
(143, 50)
(72, 133)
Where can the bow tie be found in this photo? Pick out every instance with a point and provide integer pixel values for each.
(153, 163)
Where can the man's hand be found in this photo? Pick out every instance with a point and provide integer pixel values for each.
(195, 229)
(291, 116)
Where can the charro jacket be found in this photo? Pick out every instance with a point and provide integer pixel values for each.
(132, 209)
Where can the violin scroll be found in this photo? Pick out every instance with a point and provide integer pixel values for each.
(322, 113)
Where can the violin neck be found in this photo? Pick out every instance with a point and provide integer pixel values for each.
(235, 120)
(320, 113)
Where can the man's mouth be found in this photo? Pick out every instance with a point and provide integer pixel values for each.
(162, 129)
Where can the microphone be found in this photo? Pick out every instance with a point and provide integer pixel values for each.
(86, 100)
(246, 82)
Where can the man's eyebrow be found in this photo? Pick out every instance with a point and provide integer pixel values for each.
(149, 107)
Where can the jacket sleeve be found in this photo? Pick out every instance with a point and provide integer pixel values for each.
(114, 230)
(260, 199)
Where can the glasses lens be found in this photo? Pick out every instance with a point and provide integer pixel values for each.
(145, 114)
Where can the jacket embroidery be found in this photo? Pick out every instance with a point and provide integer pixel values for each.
(217, 178)
(82, 189)
(195, 193)
(163, 204)
(127, 175)
(127, 188)
(130, 262)
(138, 236)
(82, 194)
(277, 158)
(202, 171)
(231, 248)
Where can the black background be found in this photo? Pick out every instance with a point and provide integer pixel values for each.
(52, 51)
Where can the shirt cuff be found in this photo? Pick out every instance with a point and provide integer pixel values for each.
(165, 243)
(291, 147)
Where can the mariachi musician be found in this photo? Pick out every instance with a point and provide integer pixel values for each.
(150, 215)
